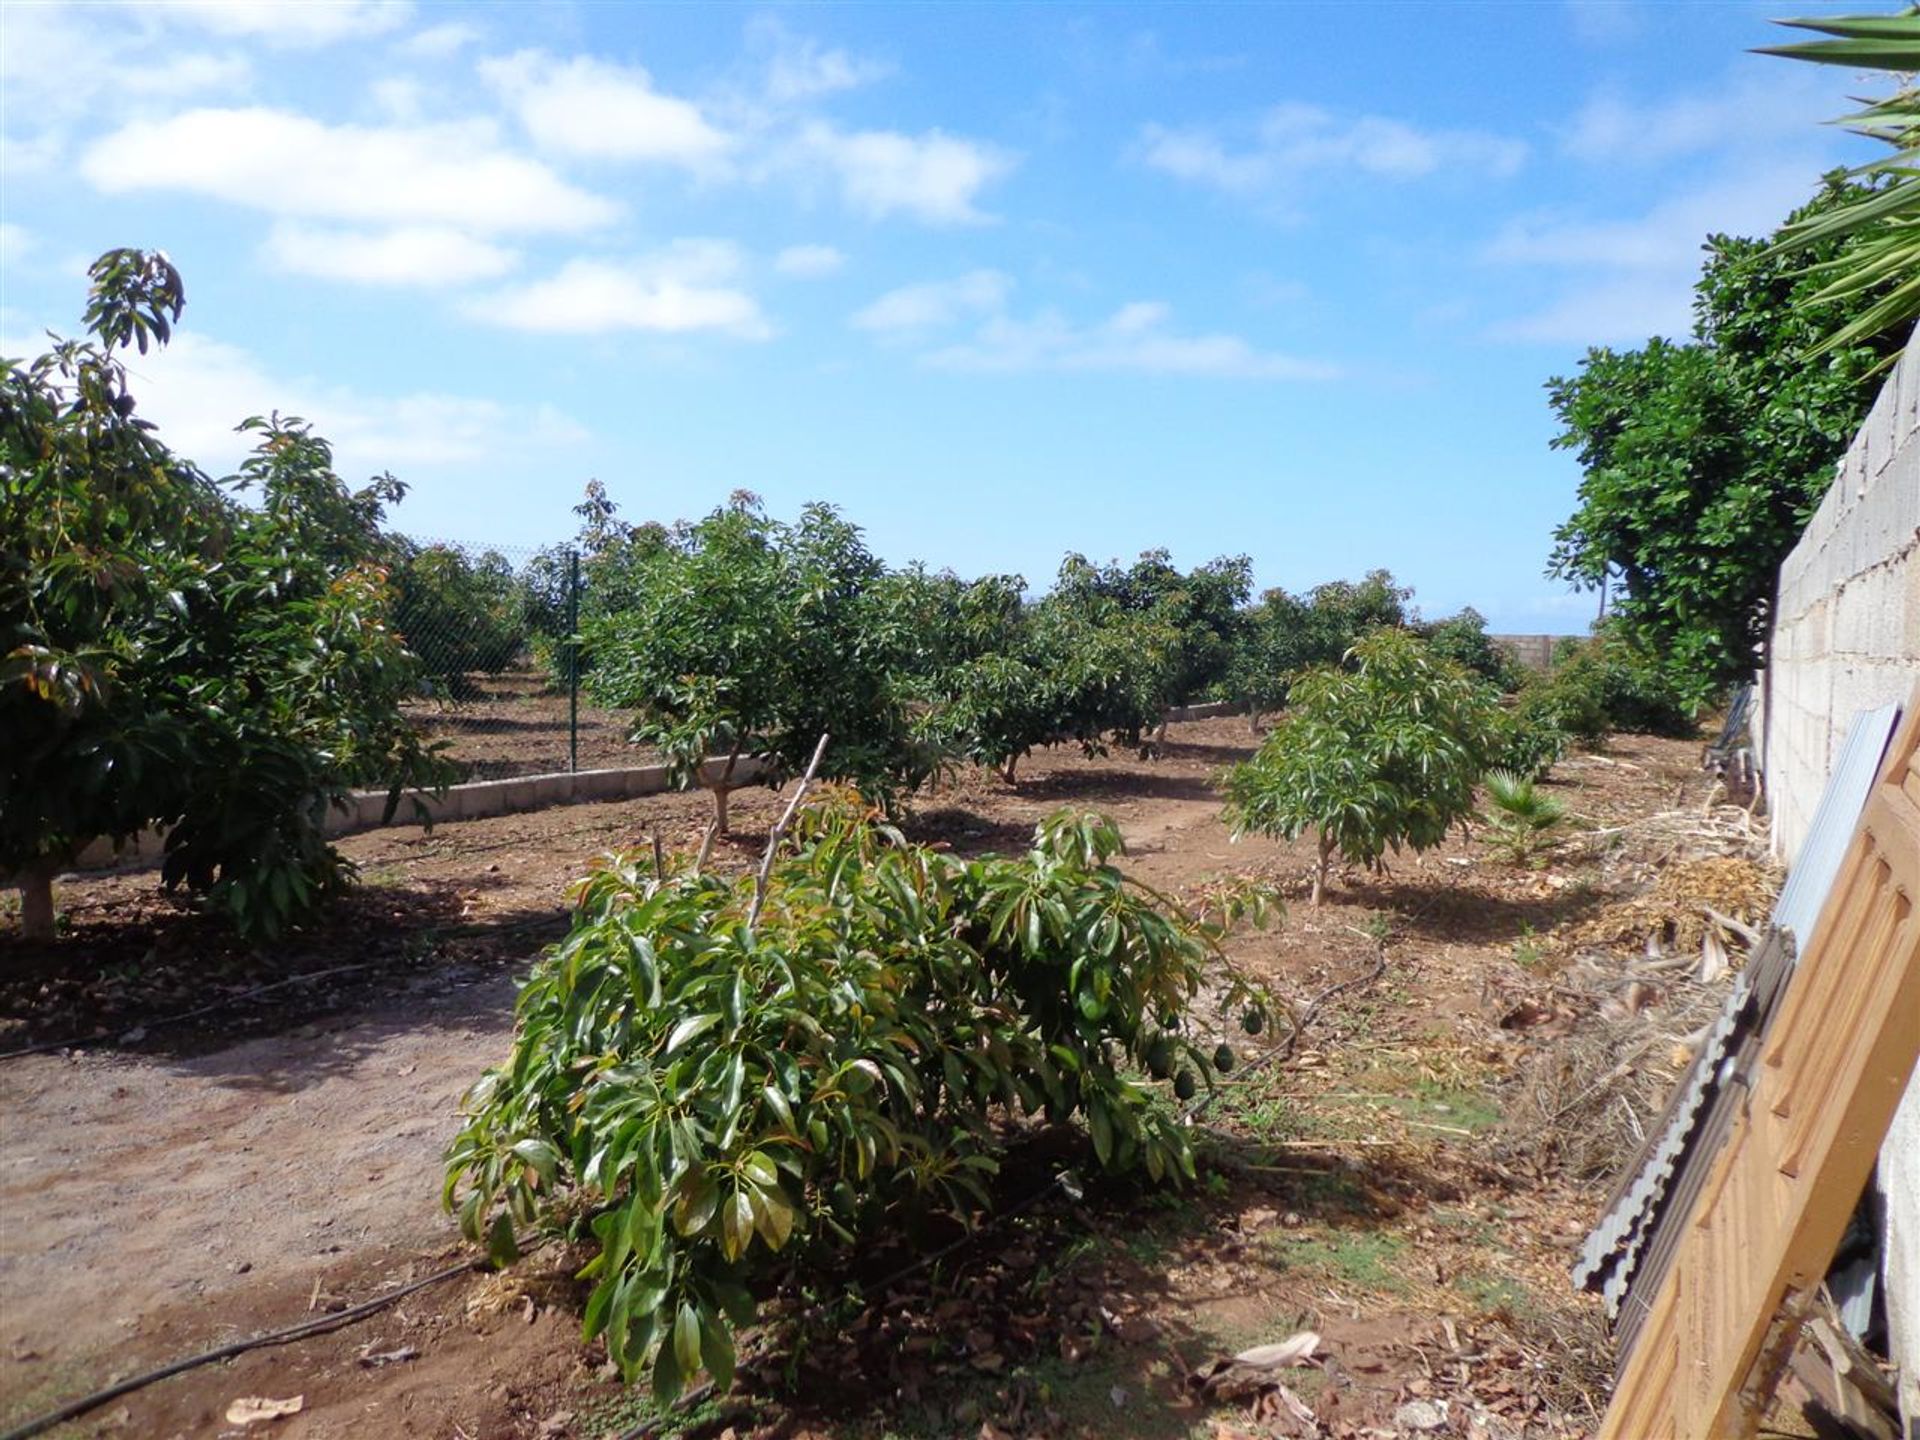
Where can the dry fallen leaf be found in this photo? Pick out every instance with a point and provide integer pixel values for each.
(1290, 1351)
(253, 1409)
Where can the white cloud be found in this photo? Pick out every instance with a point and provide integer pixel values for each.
(286, 22)
(686, 288)
(290, 165)
(808, 262)
(16, 241)
(1614, 310)
(934, 303)
(1294, 140)
(1749, 110)
(799, 68)
(413, 255)
(198, 388)
(1636, 275)
(1134, 340)
(601, 111)
(1669, 234)
(436, 42)
(69, 65)
(933, 177)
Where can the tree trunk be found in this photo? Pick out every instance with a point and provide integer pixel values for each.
(1320, 870)
(1006, 770)
(721, 790)
(36, 901)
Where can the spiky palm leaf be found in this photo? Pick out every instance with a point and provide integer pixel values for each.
(1886, 224)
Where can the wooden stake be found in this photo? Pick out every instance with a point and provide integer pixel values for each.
(779, 830)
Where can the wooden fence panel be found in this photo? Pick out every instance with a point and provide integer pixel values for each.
(1778, 1197)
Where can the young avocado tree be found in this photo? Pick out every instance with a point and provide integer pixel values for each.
(717, 1083)
(698, 650)
(741, 636)
(1380, 754)
(171, 658)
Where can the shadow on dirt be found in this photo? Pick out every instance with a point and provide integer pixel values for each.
(1111, 785)
(1218, 756)
(1434, 910)
(151, 976)
(1070, 1309)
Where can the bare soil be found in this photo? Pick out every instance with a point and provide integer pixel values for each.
(516, 723)
(170, 1184)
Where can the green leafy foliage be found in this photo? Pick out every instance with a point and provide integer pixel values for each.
(1374, 757)
(1702, 462)
(459, 616)
(1522, 820)
(706, 1099)
(1463, 639)
(173, 658)
(1605, 684)
(740, 635)
(1285, 634)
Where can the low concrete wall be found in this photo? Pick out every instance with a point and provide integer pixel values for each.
(476, 800)
(1533, 651)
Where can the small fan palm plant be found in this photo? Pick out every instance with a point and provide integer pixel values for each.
(1522, 820)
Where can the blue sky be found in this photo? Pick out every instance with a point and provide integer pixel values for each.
(1001, 281)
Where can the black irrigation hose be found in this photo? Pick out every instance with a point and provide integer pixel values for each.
(320, 1326)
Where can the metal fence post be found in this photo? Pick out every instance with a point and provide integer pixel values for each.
(573, 660)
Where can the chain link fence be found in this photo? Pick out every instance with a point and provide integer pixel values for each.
(493, 627)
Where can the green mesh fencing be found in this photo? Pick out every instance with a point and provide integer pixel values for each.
(492, 625)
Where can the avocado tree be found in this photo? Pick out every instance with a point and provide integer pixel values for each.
(1284, 634)
(716, 1082)
(1703, 461)
(738, 635)
(171, 658)
(459, 616)
(1371, 757)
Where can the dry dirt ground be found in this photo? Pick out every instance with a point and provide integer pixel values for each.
(515, 723)
(1396, 1185)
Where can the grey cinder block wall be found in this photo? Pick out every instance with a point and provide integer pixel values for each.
(1846, 638)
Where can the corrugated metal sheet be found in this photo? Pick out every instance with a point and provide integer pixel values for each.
(1628, 1250)
(1814, 868)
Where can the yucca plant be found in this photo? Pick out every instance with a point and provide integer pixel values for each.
(1522, 820)
(1886, 223)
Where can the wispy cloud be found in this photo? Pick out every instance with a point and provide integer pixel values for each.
(932, 177)
(809, 262)
(288, 164)
(795, 68)
(688, 287)
(1634, 276)
(1746, 111)
(1139, 338)
(933, 304)
(422, 255)
(1275, 154)
(1136, 339)
(199, 388)
(596, 110)
(285, 22)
